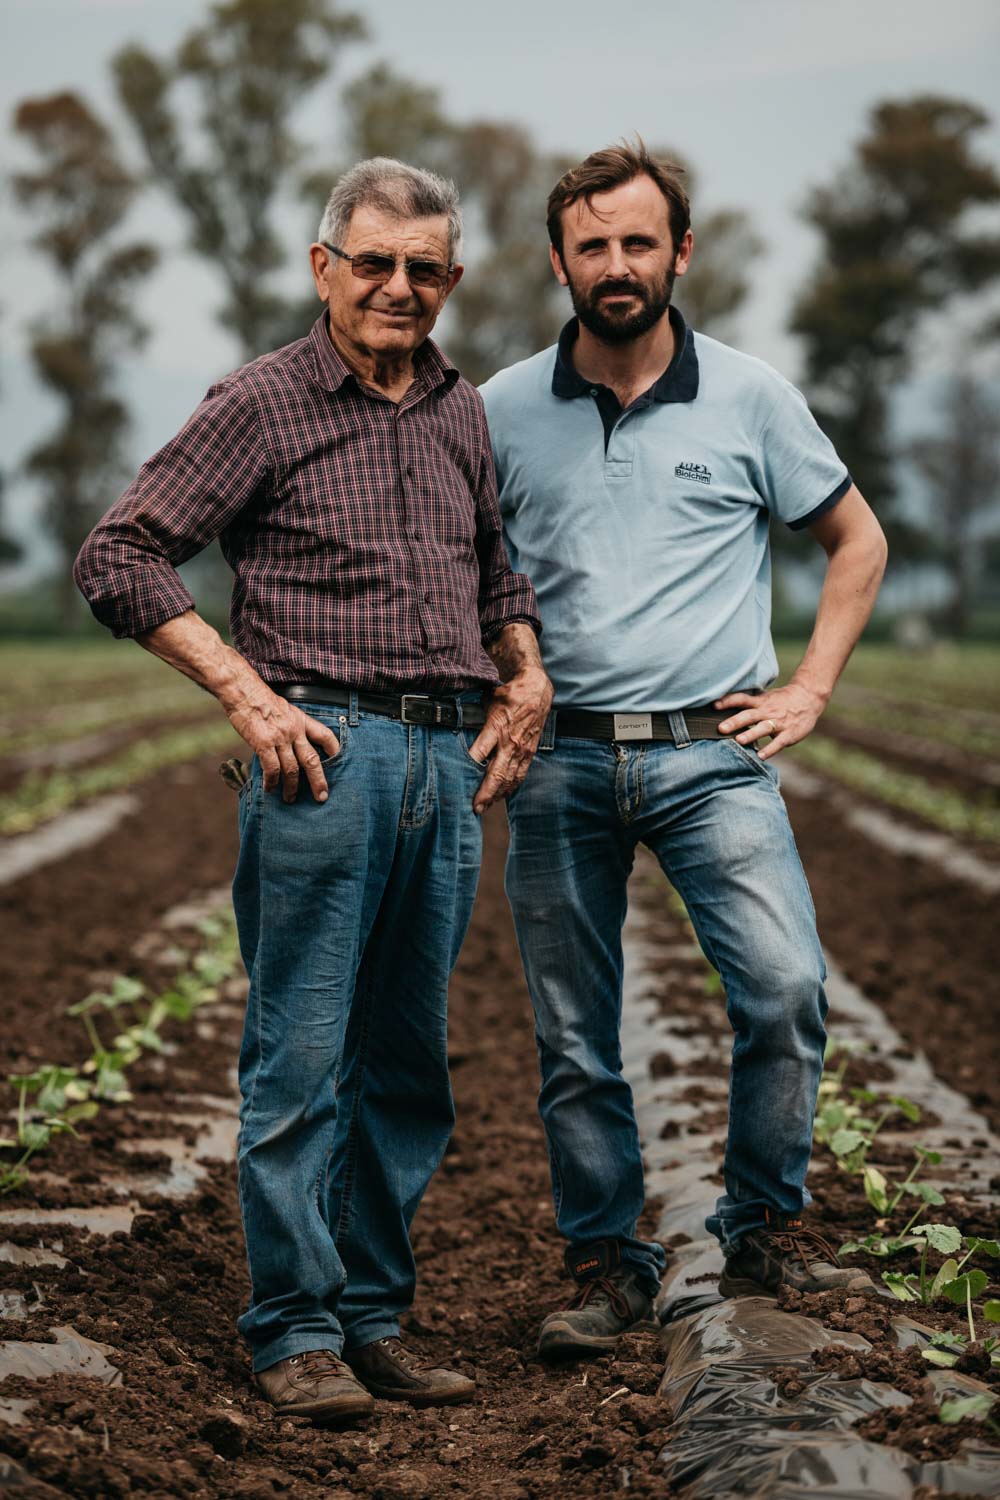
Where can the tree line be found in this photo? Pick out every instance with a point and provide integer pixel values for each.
(905, 233)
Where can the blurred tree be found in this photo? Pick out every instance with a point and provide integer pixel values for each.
(509, 305)
(962, 468)
(81, 191)
(248, 67)
(899, 240)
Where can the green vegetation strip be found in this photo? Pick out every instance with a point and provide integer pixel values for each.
(922, 726)
(43, 795)
(964, 676)
(75, 722)
(53, 1099)
(939, 805)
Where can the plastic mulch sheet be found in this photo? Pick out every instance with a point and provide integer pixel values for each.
(734, 1433)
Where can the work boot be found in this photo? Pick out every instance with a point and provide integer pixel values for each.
(783, 1252)
(316, 1384)
(610, 1300)
(395, 1373)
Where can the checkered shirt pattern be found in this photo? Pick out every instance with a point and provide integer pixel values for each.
(365, 536)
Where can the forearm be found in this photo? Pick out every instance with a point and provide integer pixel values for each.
(854, 573)
(189, 644)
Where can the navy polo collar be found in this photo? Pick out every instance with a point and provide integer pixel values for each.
(679, 381)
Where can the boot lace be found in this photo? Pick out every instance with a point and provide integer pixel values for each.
(605, 1287)
(807, 1244)
(400, 1353)
(320, 1362)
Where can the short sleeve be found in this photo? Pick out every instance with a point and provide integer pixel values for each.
(799, 473)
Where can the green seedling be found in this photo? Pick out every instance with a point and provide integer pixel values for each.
(949, 1281)
(976, 1407)
(945, 1349)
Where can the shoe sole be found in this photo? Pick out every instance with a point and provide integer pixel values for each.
(424, 1398)
(327, 1413)
(742, 1286)
(561, 1342)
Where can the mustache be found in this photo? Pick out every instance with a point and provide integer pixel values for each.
(612, 288)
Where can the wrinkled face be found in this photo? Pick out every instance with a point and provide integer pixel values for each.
(618, 260)
(391, 320)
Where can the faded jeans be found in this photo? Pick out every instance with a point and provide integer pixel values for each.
(351, 914)
(711, 813)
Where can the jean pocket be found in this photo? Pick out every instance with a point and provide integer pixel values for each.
(750, 757)
(467, 738)
(342, 730)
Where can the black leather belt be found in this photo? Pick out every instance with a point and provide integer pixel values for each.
(579, 723)
(410, 708)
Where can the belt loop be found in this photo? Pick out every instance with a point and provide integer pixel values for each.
(548, 739)
(352, 710)
(459, 709)
(679, 730)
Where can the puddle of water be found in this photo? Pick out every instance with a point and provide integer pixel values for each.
(103, 1220)
(28, 1255)
(71, 1354)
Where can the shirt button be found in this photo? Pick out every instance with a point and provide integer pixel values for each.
(593, 390)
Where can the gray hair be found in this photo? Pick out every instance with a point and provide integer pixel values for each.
(395, 188)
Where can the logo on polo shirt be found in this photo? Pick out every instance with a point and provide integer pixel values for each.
(698, 472)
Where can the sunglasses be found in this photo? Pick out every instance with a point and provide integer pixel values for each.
(382, 268)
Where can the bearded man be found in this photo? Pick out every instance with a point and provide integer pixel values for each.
(639, 464)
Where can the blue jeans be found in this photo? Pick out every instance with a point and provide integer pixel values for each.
(712, 814)
(351, 913)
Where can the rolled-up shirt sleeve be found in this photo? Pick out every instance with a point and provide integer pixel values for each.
(504, 596)
(181, 499)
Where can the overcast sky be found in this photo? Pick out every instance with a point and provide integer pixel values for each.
(764, 98)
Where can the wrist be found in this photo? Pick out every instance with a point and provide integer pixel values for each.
(817, 689)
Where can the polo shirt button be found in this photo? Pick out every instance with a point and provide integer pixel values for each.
(593, 390)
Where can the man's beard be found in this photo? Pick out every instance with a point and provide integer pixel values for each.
(614, 327)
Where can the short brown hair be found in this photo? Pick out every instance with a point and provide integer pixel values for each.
(615, 165)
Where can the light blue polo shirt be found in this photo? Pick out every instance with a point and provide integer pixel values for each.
(650, 555)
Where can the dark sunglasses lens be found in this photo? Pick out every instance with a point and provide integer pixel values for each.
(373, 267)
(427, 273)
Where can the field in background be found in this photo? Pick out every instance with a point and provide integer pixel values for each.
(918, 732)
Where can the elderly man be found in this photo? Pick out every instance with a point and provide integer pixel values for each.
(639, 465)
(350, 481)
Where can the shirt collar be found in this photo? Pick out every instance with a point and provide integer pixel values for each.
(679, 381)
(429, 364)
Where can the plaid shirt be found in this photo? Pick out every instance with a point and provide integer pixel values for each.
(365, 536)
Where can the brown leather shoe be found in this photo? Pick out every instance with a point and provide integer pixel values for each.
(395, 1373)
(316, 1384)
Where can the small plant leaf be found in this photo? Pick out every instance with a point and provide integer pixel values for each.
(948, 1340)
(876, 1189)
(906, 1107)
(8, 1143)
(944, 1238)
(969, 1284)
(923, 1190)
(34, 1137)
(967, 1406)
(939, 1357)
(85, 1110)
(843, 1142)
(947, 1273)
(932, 1158)
(982, 1247)
(991, 1310)
(896, 1282)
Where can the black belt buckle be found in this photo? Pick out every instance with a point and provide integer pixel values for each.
(427, 710)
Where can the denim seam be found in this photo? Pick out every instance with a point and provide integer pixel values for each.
(255, 989)
(351, 1144)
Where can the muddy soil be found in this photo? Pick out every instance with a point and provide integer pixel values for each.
(163, 1298)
